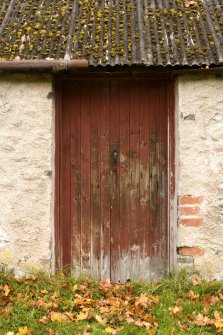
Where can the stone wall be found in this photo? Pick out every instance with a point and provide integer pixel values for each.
(199, 108)
(26, 163)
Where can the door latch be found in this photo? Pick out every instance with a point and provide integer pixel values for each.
(115, 153)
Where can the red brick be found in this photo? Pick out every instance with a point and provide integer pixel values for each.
(190, 251)
(189, 200)
(191, 222)
(189, 211)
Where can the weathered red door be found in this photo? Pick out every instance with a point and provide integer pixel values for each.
(113, 177)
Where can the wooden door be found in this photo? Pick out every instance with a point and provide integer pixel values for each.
(113, 178)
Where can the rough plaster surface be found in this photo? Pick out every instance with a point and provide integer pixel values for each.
(200, 118)
(26, 184)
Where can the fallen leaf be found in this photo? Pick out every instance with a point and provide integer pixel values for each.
(100, 319)
(151, 331)
(44, 291)
(218, 323)
(86, 315)
(55, 295)
(6, 290)
(75, 287)
(24, 331)
(210, 300)
(191, 295)
(69, 315)
(201, 320)
(175, 311)
(6, 311)
(58, 317)
(44, 320)
(110, 330)
(142, 300)
(183, 327)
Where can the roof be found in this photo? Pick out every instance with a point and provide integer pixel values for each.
(114, 32)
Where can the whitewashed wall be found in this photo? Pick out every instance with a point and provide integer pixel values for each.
(199, 108)
(26, 164)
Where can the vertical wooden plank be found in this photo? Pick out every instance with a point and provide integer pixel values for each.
(163, 161)
(134, 179)
(114, 179)
(96, 179)
(154, 179)
(125, 259)
(158, 180)
(65, 178)
(85, 157)
(75, 140)
(105, 186)
(145, 96)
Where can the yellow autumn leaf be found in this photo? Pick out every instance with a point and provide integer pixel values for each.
(24, 331)
(219, 323)
(110, 330)
(152, 331)
(75, 287)
(58, 317)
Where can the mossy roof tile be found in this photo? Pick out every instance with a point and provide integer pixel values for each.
(111, 32)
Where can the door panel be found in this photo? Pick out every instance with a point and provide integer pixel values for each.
(113, 178)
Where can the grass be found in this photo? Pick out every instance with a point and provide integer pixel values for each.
(61, 304)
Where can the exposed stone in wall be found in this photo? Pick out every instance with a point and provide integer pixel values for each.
(25, 171)
(200, 226)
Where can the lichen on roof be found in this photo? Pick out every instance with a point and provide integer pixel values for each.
(150, 32)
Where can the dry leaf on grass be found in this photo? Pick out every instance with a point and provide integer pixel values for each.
(218, 323)
(24, 331)
(175, 311)
(202, 320)
(191, 295)
(6, 290)
(58, 317)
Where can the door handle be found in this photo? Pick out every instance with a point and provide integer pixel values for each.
(115, 157)
(115, 154)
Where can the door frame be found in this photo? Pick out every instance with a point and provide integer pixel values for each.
(172, 199)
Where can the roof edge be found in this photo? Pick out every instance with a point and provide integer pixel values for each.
(212, 70)
(49, 65)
